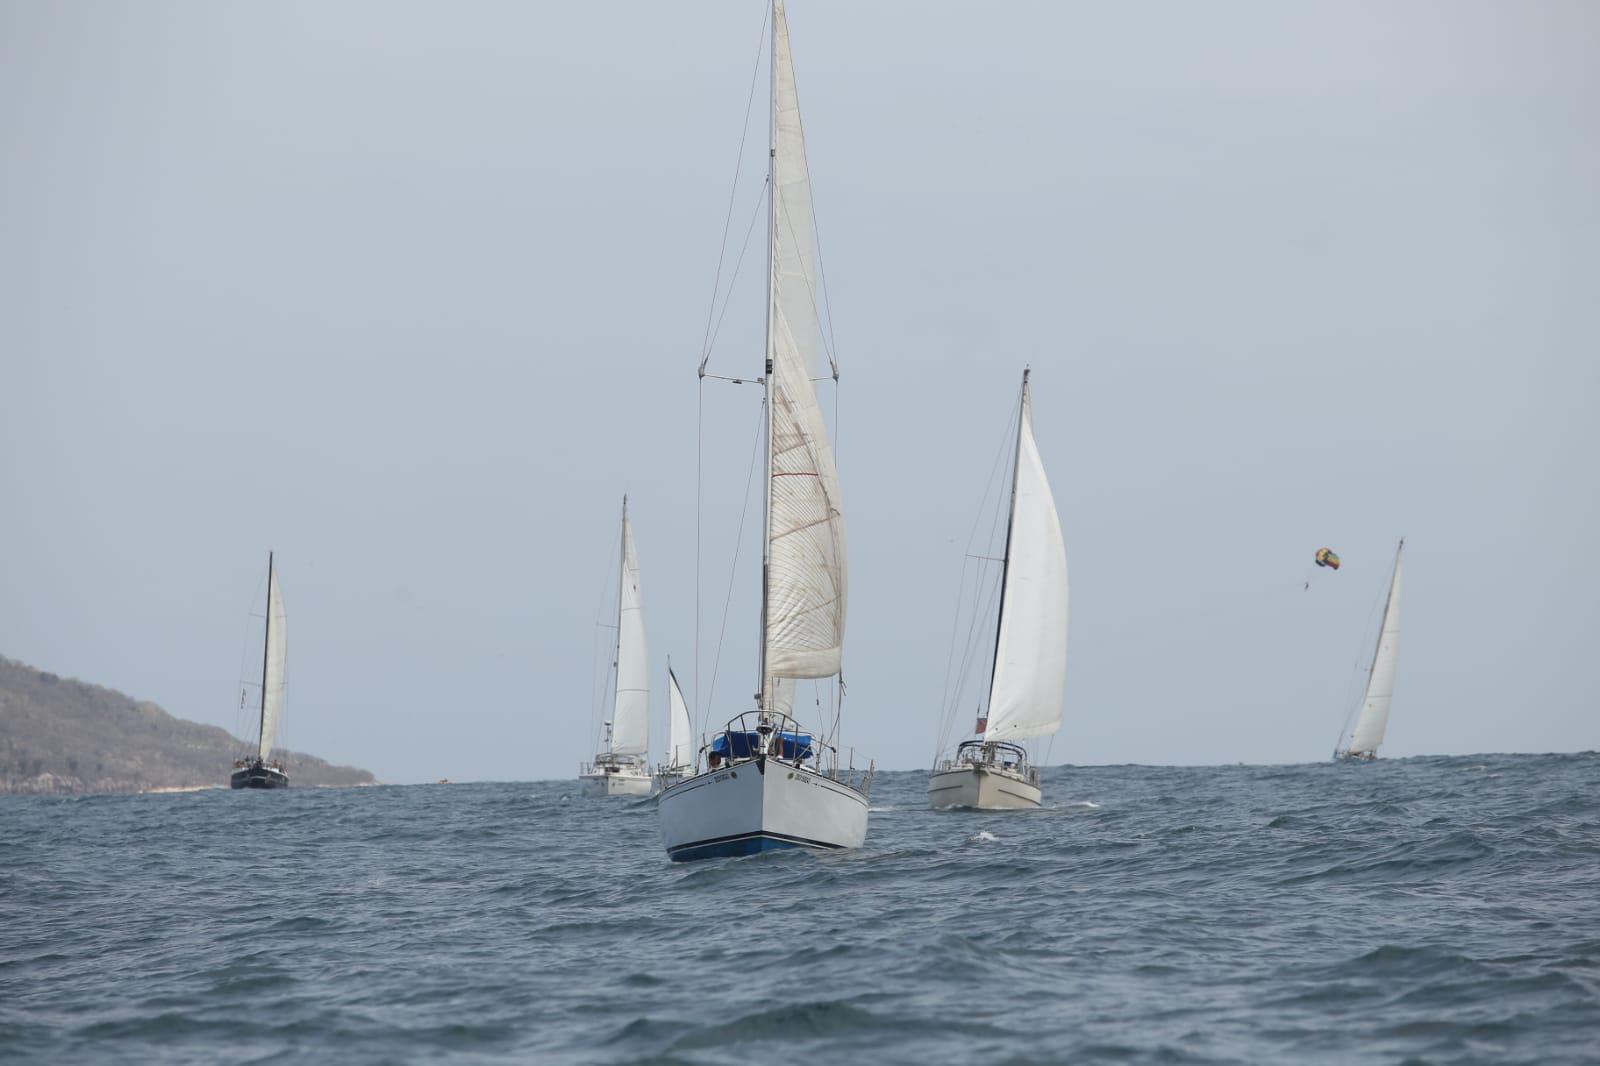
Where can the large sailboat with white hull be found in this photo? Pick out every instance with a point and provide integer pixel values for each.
(1372, 718)
(767, 782)
(993, 771)
(261, 770)
(619, 769)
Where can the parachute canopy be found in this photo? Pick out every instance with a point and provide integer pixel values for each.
(1327, 557)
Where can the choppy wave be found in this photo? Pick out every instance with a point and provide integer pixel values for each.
(1427, 909)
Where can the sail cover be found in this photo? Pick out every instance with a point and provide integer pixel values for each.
(1030, 664)
(806, 579)
(630, 714)
(681, 732)
(277, 656)
(1374, 718)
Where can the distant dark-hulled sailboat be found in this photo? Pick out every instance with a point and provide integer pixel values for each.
(260, 772)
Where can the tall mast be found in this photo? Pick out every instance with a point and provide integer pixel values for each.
(1011, 520)
(266, 643)
(616, 651)
(772, 229)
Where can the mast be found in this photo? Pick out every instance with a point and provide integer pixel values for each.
(616, 651)
(266, 644)
(1011, 520)
(772, 295)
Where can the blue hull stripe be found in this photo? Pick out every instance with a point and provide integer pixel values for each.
(743, 844)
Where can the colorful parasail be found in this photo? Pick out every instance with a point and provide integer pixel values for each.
(1327, 557)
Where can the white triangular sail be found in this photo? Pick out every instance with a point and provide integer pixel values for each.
(806, 578)
(680, 732)
(630, 712)
(274, 665)
(1030, 663)
(1374, 717)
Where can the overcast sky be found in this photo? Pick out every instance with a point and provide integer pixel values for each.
(412, 293)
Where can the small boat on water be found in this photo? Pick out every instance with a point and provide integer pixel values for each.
(619, 769)
(993, 771)
(261, 770)
(679, 764)
(767, 782)
(1361, 741)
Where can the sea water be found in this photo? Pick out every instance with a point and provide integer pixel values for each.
(1431, 910)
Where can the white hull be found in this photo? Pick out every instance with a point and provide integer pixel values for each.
(740, 810)
(981, 788)
(622, 784)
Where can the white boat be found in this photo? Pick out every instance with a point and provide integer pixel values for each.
(620, 769)
(766, 782)
(261, 770)
(678, 766)
(1372, 719)
(993, 771)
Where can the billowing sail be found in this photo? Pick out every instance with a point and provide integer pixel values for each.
(630, 713)
(277, 656)
(805, 601)
(681, 731)
(1374, 717)
(1030, 664)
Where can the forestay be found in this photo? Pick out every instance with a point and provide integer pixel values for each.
(806, 580)
(1374, 717)
(1030, 664)
(630, 718)
(272, 677)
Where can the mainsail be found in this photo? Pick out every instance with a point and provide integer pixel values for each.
(274, 660)
(1374, 717)
(804, 601)
(1030, 657)
(680, 732)
(630, 712)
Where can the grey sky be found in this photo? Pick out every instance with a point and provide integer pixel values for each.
(412, 293)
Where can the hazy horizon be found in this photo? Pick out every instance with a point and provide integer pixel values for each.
(413, 294)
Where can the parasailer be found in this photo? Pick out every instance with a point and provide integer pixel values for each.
(1327, 557)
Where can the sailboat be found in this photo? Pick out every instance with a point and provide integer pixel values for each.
(767, 782)
(619, 769)
(679, 764)
(259, 772)
(992, 772)
(1362, 741)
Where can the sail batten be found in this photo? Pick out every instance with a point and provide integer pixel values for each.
(274, 664)
(1030, 660)
(805, 599)
(630, 711)
(1373, 720)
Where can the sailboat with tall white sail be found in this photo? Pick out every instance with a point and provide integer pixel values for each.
(680, 759)
(993, 771)
(1372, 718)
(261, 770)
(767, 782)
(620, 769)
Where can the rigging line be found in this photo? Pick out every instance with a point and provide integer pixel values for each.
(733, 570)
(699, 479)
(738, 164)
(597, 692)
(728, 296)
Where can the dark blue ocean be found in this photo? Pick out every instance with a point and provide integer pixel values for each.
(1421, 910)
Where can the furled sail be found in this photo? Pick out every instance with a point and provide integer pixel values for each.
(1030, 663)
(276, 660)
(630, 713)
(1374, 717)
(680, 733)
(806, 580)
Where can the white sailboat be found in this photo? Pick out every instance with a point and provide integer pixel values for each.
(767, 782)
(262, 771)
(679, 764)
(619, 769)
(1029, 672)
(1361, 742)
